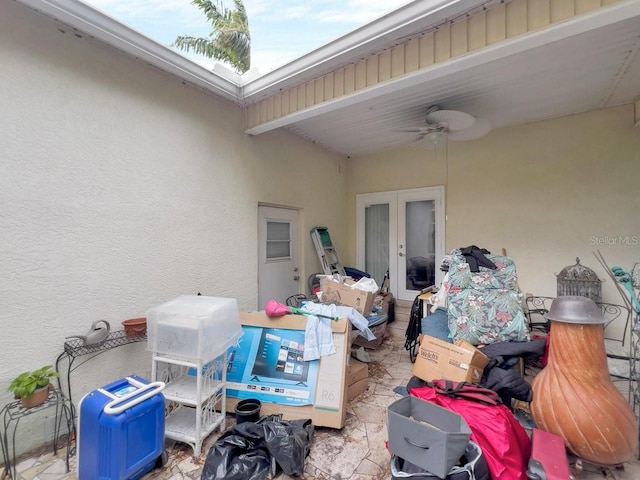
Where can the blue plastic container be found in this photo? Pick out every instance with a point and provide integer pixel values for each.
(121, 430)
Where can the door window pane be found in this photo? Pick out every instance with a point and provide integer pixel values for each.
(278, 240)
(420, 231)
(377, 241)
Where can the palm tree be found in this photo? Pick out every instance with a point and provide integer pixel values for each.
(229, 40)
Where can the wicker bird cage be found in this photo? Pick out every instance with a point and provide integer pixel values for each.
(581, 281)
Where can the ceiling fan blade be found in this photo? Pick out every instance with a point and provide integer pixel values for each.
(412, 130)
(453, 119)
(480, 128)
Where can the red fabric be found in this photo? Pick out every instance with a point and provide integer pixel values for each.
(543, 358)
(504, 442)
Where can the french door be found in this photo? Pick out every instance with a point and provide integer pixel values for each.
(401, 232)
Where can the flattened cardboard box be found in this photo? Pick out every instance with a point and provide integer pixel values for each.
(459, 362)
(343, 294)
(328, 391)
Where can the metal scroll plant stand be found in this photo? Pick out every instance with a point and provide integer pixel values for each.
(75, 348)
(628, 285)
(13, 412)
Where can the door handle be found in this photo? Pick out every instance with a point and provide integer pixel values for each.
(400, 254)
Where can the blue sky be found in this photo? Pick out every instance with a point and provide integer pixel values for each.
(281, 30)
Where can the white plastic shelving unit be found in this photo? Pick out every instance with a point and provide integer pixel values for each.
(189, 337)
(195, 395)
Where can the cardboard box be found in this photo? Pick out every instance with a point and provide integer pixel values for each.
(357, 388)
(356, 371)
(459, 362)
(357, 378)
(344, 294)
(316, 390)
(427, 435)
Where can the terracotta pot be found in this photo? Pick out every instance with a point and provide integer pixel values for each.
(38, 397)
(135, 327)
(573, 396)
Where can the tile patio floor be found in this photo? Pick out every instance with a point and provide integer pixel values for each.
(357, 452)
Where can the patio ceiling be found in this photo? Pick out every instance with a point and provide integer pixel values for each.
(589, 62)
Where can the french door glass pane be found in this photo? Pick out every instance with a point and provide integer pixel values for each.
(377, 241)
(420, 231)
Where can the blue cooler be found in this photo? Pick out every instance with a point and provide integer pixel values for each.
(121, 430)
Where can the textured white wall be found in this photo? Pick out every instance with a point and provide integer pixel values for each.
(121, 188)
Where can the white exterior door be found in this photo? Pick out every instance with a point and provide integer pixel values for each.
(278, 275)
(402, 232)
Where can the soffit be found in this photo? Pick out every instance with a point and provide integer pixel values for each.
(588, 63)
(397, 27)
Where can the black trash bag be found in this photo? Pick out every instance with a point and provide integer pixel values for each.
(289, 444)
(246, 451)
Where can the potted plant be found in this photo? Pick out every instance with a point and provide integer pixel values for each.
(32, 388)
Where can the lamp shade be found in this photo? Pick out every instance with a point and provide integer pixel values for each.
(432, 139)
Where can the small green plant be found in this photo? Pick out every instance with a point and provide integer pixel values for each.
(28, 382)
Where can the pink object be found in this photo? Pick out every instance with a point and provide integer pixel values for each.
(548, 456)
(276, 309)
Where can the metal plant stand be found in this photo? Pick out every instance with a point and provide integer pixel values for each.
(74, 348)
(13, 412)
(634, 369)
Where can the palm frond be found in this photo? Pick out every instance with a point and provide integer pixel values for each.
(229, 40)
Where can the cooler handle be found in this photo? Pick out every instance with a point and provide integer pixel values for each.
(153, 387)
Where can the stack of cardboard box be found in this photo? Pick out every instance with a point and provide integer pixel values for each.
(357, 378)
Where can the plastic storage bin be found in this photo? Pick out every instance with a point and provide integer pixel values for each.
(121, 430)
(193, 326)
(472, 466)
(426, 434)
(378, 326)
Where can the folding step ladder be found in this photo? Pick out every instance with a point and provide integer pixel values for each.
(326, 252)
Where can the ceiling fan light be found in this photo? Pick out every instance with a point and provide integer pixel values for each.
(432, 139)
(479, 129)
(453, 119)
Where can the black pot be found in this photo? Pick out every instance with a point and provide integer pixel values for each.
(248, 410)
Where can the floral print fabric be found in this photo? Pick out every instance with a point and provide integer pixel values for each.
(486, 306)
(503, 277)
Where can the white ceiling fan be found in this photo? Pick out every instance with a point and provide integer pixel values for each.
(444, 125)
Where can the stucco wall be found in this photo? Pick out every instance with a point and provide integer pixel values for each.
(547, 192)
(121, 188)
